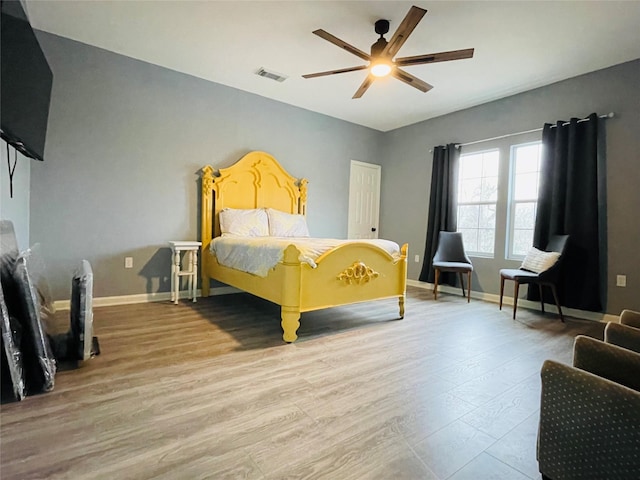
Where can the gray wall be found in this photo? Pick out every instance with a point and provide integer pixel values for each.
(125, 142)
(407, 167)
(15, 208)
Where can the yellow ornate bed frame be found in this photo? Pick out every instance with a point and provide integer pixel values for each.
(350, 273)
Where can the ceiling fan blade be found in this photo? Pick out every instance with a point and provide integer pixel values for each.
(342, 44)
(333, 72)
(409, 79)
(400, 36)
(364, 87)
(434, 57)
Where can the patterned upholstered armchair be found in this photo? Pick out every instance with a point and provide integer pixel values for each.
(631, 318)
(625, 334)
(590, 414)
(622, 335)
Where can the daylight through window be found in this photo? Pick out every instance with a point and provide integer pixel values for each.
(477, 198)
(498, 200)
(525, 178)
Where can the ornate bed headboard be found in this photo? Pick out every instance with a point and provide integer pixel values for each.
(257, 180)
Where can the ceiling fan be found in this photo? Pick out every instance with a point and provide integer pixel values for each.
(381, 61)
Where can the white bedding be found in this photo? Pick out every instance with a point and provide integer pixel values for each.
(258, 255)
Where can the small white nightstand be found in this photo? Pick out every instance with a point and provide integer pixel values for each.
(191, 257)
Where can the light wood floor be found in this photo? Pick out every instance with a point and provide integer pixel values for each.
(208, 390)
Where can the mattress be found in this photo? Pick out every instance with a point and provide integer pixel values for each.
(258, 255)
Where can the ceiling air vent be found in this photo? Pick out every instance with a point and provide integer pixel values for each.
(272, 75)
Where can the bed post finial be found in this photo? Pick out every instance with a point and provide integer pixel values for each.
(207, 177)
(302, 207)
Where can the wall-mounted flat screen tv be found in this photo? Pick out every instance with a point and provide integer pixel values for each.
(25, 84)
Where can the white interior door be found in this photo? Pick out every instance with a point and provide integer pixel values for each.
(364, 200)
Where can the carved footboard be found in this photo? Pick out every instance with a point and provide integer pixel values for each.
(350, 273)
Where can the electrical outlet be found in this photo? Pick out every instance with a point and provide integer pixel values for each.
(128, 262)
(416, 258)
(621, 280)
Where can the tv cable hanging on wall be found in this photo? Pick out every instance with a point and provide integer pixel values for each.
(11, 168)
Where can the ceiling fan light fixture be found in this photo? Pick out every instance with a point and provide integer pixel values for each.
(380, 68)
(382, 61)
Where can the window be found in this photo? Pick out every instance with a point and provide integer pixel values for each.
(523, 199)
(477, 198)
(497, 202)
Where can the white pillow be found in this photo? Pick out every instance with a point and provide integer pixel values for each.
(538, 261)
(247, 223)
(283, 224)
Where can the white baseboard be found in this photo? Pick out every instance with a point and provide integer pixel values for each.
(143, 298)
(487, 297)
(493, 298)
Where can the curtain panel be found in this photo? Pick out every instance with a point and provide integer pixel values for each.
(442, 207)
(572, 201)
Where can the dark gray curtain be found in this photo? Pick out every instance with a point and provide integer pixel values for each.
(572, 201)
(442, 207)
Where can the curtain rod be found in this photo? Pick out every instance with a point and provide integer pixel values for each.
(458, 145)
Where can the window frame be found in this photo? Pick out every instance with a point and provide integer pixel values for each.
(494, 203)
(512, 202)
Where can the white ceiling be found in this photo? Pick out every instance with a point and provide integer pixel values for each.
(519, 45)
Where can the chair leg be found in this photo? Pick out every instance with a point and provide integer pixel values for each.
(501, 290)
(462, 284)
(516, 288)
(541, 299)
(435, 286)
(555, 297)
(468, 287)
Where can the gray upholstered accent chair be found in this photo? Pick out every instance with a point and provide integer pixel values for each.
(590, 414)
(451, 257)
(549, 278)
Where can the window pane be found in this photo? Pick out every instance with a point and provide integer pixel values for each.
(470, 190)
(526, 187)
(489, 189)
(471, 166)
(477, 197)
(525, 177)
(522, 241)
(487, 216)
(468, 216)
(470, 239)
(527, 158)
(524, 215)
(486, 240)
(490, 164)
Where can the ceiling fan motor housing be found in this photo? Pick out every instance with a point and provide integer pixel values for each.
(378, 47)
(382, 27)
